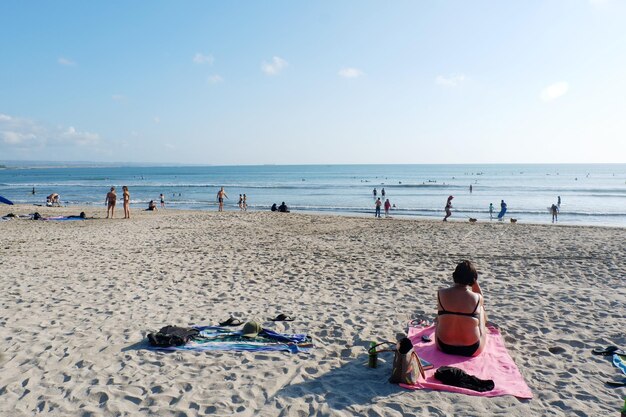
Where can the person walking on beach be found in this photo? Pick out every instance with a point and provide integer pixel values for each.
(162, 201)
(490, 211)
(555, 212)
(245, 203)
(110, 202)
(221, 195)
(374, 192)
(126, 201)
(387, 207)
(240, 204)
(502, 210)
(378, 204)
(448, 208)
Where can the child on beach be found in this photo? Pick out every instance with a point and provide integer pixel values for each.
(162, 201)
(110, 202)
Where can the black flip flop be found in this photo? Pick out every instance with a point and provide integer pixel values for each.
(616, 383)
(608, 351)
(282, 317)
(231, 322)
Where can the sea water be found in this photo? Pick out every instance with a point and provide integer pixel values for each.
(590, 194)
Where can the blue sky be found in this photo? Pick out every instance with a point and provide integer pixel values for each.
(314, 82)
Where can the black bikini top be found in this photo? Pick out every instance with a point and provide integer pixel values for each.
(473, 314)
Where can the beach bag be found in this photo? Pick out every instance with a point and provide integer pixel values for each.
(407, 367)
(172, 336)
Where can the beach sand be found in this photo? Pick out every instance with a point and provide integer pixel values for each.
(79, 297)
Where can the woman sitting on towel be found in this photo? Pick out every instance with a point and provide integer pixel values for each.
(460, 327)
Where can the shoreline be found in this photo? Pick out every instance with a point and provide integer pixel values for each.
(76, 209)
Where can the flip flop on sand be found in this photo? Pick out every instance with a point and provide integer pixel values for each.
(621, 383)
(608, 351)
(231, 322)
(282, 317)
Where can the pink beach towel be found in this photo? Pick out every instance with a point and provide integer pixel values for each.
(493, 363)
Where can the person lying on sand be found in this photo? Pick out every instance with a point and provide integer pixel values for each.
(461, 318)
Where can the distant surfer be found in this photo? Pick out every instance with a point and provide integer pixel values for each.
(502, 210)
(555, 212)
(448, 208)
(221, 195)
(490, 211)
(110, 202)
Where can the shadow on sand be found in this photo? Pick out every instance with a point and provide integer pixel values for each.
(337, 386)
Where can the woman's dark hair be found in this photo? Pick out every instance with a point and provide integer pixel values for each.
(465, 273)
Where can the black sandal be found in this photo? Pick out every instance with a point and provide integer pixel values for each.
(608, 351)
(231, 322)
(282, 317)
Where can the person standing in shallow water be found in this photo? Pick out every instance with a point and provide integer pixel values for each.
(245, 203)
(110, 202)
(387, 207)
(448, 208)
(240, 204)
(374, 192)
(378, 204)
(162, 201)
(555, 212)
(126, 201)
(221, 195)
(490, 211)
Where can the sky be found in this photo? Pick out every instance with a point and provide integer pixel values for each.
(324, 82)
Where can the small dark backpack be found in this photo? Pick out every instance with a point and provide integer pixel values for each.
(172, 336)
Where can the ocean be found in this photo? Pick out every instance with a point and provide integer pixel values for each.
(593, 194)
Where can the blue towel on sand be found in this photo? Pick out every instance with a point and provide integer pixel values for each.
(220, 338)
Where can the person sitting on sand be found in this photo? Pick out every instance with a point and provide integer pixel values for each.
(152, 206)
(461, 318)
(110, 202)
(274, 207)
(283, 208)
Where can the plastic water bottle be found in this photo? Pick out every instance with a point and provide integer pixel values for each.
(373, 356)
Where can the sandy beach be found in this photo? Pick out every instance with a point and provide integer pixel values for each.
(79, 298)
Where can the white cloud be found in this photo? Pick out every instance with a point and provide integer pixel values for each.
(554, 91)
(274, 67)
(169, 146)
(451, 80)
(66, 62)
(118, 97)
(199, 58)
(16, 131)
(350, 72)
(156, 120)
(214, 79)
